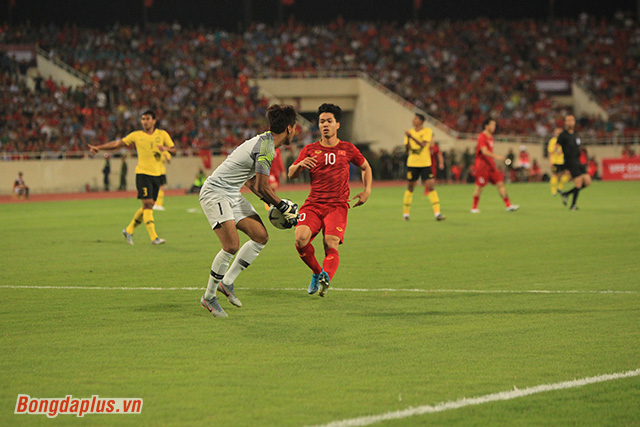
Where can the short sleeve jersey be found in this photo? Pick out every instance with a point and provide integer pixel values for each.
(570, 144)
(149, 157)
(419, 157)
(556, 156)
(482, 161)
(253, 156)
(330, 177)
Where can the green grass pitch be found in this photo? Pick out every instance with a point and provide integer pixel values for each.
(419, 313)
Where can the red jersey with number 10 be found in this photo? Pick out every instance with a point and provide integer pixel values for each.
(330, 177)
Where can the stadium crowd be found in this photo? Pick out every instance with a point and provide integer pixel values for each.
(197, 79)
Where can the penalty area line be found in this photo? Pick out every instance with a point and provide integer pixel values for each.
(426, 291)
(494, 397)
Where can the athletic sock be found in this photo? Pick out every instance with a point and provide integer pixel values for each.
(507, 202)
(554, 184)
(331, 261)
(476, 200)
(408, 199)
(136, 221)
(160, 199)
(435, 201)
(219, 267)
(563, 180)
(576, 192)
(147, 217)
(308, 255)
(246, 255)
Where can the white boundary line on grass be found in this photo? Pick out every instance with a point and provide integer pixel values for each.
(494, 397)
(427, 291)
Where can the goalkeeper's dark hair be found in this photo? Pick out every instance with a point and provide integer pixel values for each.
(280, 117)
(149, 113)
(420, 116)
(331, 108)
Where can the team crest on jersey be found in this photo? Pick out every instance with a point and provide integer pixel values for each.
(318, 151)
(342, 153)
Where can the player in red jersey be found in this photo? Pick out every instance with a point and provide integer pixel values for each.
(485, 169)
(326, 207)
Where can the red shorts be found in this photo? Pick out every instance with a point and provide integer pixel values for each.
(483, 176)
(331, 219)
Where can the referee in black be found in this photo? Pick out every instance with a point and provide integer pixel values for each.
(570, 143)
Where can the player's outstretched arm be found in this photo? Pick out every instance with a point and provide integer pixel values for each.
(367, 179)
(108, 146)
(488, 153)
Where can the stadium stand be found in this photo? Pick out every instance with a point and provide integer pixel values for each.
(198, 79)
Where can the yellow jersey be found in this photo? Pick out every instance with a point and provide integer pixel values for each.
(419, 157)
(149, 157)
(556, 156)
(166, 157)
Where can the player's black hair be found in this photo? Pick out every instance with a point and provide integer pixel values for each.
(280, 117)
(420, 116)
(487, 121)
(149, 113)
(331, 108)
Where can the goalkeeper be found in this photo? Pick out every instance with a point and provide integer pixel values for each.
(228, 211)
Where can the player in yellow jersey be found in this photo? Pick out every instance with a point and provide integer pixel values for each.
(556, 158)
(150, 144)
(417, 142)
(166, 158)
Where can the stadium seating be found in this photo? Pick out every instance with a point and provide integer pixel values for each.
(198, 79)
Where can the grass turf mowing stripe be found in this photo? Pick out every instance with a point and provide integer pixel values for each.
(494, 397)
(472, 291)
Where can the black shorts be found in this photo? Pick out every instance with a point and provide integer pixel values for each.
(147, 186)
(557, 169)
(576, 169)
(163, 179)
(413, 174)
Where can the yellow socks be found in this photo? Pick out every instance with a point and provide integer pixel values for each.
(408, 198)
(554, 184)
(147, 215)
(563, 180)
(435, 201)
(136, 221)
(160, 200)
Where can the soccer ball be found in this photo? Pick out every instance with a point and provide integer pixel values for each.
(277, 219)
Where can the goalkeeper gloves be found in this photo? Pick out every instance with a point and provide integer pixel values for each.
(289, 211)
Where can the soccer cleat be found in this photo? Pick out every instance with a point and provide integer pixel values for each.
(158, 241)
(158, 208)
(573, 208)
(313, 286)
(564, 198)
(513, 208)
(405, 217)
(324, 282)
(440, 217)
(127, 236)
(213, 306)
(228, 292)
(475, 210)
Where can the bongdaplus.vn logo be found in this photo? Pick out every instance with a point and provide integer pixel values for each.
(69, 405)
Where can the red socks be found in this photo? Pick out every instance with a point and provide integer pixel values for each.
(476, 200)
(308, 255)
(331, 261)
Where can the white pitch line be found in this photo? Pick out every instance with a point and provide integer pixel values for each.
(494, 397)
(427, 291)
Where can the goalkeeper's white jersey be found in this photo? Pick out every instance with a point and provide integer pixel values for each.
(252, 156)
